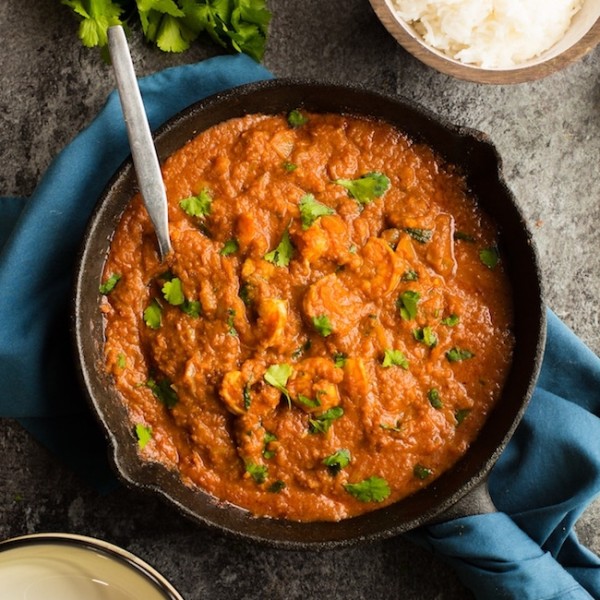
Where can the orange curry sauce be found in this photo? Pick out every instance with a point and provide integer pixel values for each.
(312, 350)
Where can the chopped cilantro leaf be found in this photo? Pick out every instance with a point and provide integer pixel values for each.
(173, 292)
(246, 293)
(426, 336)
(397, 427)
(451, 320)
(164, 391)
(311, 210)
(410, 275)
(323, 325)
(457, 354)
(337, 461)
(276, 487)
(109, 285)
(420, 235)
(372, 489)
(463, 236)
(308, 402)
(153, 314)
(394, 358)
(407, 304)
(421, 472)
(231, 322)
(365, 188)
(197, 206)
(229, 247)
(143, 433)
(289, 167)
(461, 414)
(489, 257)
(269, 452)
(257, 472)
(282, 255)
(121, 361)
(433, 396)
(296, 119)
(277, 376)
(339, 359)
(321, 423)
(191, 308)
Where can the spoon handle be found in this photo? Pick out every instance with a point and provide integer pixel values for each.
(143, 152)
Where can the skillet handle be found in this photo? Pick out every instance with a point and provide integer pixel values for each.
(476, 501)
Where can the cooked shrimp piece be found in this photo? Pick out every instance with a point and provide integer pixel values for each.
(272, 317)
(380, 270)
(330, 297)
(356, 380)
(313, 386)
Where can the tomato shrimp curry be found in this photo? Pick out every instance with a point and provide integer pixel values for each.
(332, 328)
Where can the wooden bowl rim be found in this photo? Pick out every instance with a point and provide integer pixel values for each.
(448, 66)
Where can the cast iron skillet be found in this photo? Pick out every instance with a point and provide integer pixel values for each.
(461, 490)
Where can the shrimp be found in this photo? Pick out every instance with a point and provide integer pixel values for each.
(313, 386)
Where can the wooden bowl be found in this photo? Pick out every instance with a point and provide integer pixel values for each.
(581, 38)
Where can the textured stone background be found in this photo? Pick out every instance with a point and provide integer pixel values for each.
(548, 133)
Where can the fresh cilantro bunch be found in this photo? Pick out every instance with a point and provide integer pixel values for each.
(172, 25)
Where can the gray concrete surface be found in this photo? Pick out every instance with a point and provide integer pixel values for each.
(548, 133)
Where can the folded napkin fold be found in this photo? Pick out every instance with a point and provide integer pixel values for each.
(548, 474)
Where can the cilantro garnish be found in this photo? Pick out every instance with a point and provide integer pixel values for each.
(461, 414)
(394, 358)
(277, 376)
(426, 336)
(173, 292)
(231, 330)
(289, 167)
(257, 472)
(164, 391)
(109, 285)
(276, 487)
(143, 433)
(197, 206)
(298, 352)
(433, 396)
(308, 402)
(323, 325)
(282, 255)
(246, 293)
(489, 257)
(337, 461)
(457, 354)
(339, 359)
(407, 304)
(268, 452)
(421, 472)
(236, 25)
(410, 275)
(372, 489)
(229, 247)
(420, 235)
(397, 427)
(463, 236)
(366, 188)
(311, 210)
(296, 119)
(121, 361)
(321, 423)
(451, 320)
(191, 308)
(153, 314)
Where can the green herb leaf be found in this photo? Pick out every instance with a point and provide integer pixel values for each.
(410, 275)
(372, 489)
(276, 487)
(277, 376)
(311, 210)
(143, 433)
(489, 257)
(197, 206)
(109, 285)
(229, 247)
(397, 427)
(394, 358)
(257, 472)
(457, 354)
(420, 235)
(192, 308)
(451, 320)
(337, 461)
(282, 255)
(462, 236)
(407, 304)
(298, 352)
(296, 119)
(153, 314)
(308, 402)
(434, 398)
(321, 423)
(164, 391)
(231, 322)
(173, 292)
(426, 336)
(289, 167)
(339, 359)
(95, 19)
(421, 472)
(121, 361)
(268, 452)
(367, 187)
(461, 414)
(246, 293)
(323, 325)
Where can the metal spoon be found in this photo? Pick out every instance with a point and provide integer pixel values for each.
(145, 159)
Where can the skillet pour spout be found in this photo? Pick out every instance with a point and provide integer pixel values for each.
(476, 156)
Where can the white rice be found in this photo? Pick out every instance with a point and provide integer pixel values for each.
(489, 33)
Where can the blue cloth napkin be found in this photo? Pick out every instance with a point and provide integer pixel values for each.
(544, 480)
